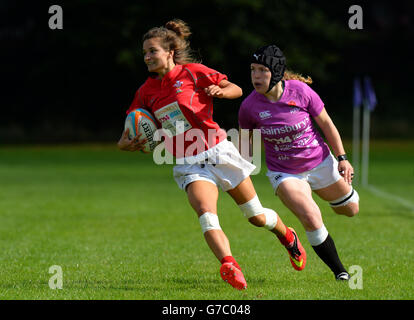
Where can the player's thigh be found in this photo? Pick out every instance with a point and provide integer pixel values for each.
(296, 195)
(244, 192)
(334, 191)
(203, 196)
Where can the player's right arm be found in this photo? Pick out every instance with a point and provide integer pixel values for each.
(333, 137)
(225, 90)
(127, 144)
(124, 143)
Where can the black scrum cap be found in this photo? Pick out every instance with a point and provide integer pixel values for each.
(271, 57)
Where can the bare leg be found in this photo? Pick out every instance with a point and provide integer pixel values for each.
(297, 196)
(243, 193)
(203, 196)
(335, 191)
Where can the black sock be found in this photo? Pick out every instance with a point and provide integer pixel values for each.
(327, 252)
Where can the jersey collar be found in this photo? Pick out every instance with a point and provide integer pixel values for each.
(282, 96)
(172, 74)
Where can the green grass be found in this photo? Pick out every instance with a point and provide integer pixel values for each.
(121, 229)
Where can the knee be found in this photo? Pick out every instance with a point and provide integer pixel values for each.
(311, 221)
(254, 212)
(200, 207)
(349, 210)
(347, 205)
(352, 209)
(204, 208)
(209, 221)
(257, 215)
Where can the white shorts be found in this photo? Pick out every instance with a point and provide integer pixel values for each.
(221, 165)
(319, 177)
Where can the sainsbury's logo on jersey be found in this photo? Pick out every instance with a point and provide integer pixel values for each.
(265, 114)
(275, 130)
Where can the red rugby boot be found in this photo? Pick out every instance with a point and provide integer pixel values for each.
(233, 276)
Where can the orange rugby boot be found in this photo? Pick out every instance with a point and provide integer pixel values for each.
(297, 253)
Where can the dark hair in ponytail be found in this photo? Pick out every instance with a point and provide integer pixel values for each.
(174, 37)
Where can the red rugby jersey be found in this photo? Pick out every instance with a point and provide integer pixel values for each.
(181, 106)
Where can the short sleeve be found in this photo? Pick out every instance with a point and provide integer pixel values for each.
(204, 76)
(315, 105)
(137, 102)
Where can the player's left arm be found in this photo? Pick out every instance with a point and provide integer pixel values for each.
(334, 140)
(225, 90)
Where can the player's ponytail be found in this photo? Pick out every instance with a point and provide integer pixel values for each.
(179, 27)
(174, 37)
(290, 75)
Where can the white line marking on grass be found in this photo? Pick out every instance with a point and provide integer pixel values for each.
(392, 197)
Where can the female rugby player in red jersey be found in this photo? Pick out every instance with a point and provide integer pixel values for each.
(182, 91)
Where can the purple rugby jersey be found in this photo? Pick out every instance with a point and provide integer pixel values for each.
(292, 143)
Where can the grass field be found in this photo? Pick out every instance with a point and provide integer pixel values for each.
(120, 228)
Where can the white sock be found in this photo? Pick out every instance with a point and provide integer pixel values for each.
(317, 236)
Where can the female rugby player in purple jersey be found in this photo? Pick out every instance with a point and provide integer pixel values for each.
(298, 160)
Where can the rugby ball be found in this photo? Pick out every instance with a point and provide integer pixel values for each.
(142, 121)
